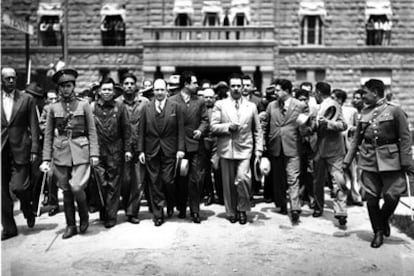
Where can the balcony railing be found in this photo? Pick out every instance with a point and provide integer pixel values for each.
(207, 33)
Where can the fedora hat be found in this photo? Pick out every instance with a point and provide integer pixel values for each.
(261, 168)
(181, 167)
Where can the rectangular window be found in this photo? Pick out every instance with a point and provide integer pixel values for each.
(311, 30)
(310, 75)
(50, 31)
(378, 29)
(113, 31)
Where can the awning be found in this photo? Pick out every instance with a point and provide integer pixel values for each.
(113, 9)
(312, 7)
(239, 6)
(213, 7)
(51, 9)
(183, 6)
(378, 7)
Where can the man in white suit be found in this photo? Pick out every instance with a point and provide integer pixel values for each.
(236, 123)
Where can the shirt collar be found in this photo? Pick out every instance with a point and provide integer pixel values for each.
(109, 103)
(8, 95)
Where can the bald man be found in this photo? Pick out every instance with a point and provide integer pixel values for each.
(19, 148)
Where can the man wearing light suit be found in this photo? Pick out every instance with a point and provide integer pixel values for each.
(160, 146)
(283, 145)
(330, 153)
(19, 148)
(236, 123)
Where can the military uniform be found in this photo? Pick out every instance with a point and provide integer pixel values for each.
(114, 132)
(384, 144)
(71, 140)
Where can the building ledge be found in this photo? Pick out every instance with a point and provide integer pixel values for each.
(360, 49)
(75, 50)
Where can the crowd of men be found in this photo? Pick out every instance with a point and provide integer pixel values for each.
(177, 143)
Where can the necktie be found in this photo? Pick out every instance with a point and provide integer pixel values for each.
(282, 107)
(237, 104)
(159, 109)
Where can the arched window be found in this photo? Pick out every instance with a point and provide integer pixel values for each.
(113, 25)
(182, 19)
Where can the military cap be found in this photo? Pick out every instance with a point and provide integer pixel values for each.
(65, 75)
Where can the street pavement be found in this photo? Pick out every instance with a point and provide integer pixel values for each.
(268, 245)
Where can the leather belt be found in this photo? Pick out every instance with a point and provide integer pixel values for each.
(71, 134)
(380, 142)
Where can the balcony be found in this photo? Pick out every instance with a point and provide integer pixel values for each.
(205, 36)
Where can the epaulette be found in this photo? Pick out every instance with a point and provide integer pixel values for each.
(391, 103)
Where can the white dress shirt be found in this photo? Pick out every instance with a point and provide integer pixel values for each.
(8, 101)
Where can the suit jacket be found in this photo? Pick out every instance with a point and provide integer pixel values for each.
(195, 118)
(283, 131)
(161, 132)
(22, 131)
(330, 140)
(68, 151)
(239, 144)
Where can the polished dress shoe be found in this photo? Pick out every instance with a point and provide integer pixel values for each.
(53, 211)
(196, 217)
(84, 226)
(295, 216)
(158, 222)
(170, 212)
(31, 221)
(242, 218)
(233, 219)
(317, 213)
(133, 219)
(283, 211)
(387, 229)
(378, 239)
(342, 220)
(109, 223)
(181, 214)
(70, 231)
(7, 235)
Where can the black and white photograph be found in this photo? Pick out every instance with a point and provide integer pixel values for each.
(207, 137)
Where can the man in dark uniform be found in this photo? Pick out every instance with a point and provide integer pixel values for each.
(384, 143)
(114, 132)
(19, 148)
(161, 145)
(133, 172)
(195, 126)
(71, 140)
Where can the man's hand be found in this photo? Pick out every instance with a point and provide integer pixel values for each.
(323, 123)
(345, 166)
(196, 134)
(128, 156)
(405, 168)
(141, 158)
(94, 161)
(258, 154)
(180, 154)
(33, 157)
(233, 127)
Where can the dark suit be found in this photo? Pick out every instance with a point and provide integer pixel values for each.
(19, 138)
(283, 145)
(195, 118)
(161, 135)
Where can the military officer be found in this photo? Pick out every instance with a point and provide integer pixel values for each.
(384, 143)
(71, 141)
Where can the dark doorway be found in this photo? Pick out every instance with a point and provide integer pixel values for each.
(213, 74)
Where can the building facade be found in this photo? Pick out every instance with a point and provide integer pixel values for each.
(342, 42)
